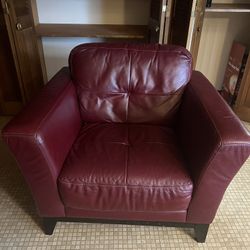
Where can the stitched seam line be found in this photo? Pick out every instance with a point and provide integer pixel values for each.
(214, 124)
(216, 150)
(17, 135)
(206, 111)
(134, 93)
(51, 170)
(127, 156)
(237, 144)
(170, 50)
(55, 105)
(64, 92)
(33, 140)
(47, 161)
(36, 142)
(134, 211)
(129, 83)
(115, 185)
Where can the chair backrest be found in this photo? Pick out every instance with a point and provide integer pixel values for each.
(129, 83)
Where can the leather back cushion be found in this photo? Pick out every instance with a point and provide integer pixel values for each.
(129, 83)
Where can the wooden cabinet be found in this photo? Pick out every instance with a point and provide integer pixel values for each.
(159, 21)
(20, 61)
(220, 9)
(181, 13)
(232, 23)
(187, 18)
(187, 29)
(10, 92)
(177, 22)
(169, 21)
(155, 31)
(89, 30)
(242, 105)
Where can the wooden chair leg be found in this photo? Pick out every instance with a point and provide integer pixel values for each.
(49, 225)
(201, 232)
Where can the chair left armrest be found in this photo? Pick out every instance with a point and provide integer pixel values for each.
(40, 137)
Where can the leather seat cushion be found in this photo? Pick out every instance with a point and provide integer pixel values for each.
(125, 167)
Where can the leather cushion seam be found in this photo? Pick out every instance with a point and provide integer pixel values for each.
(55, 105)
(134, 211)
(215, 150)
(123, 186)
(133, 93)
(84, 49)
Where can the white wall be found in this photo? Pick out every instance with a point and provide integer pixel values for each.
(56, 50)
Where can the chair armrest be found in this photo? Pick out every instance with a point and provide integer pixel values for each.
(215, 145)
(40, 137)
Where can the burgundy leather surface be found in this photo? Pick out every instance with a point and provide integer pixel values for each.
(125, 167)
(124, 161)
(167, 216)
(215, 145)
(129, 83)
(40, 138)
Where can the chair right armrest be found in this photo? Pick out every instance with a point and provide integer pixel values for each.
(215, 145)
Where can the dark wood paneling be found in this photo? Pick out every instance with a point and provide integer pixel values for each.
(180, 22)
(92, 30)
(198, 24)
(10, 93)
(26, 47)
(157, 20)
(242, 106)
(20, 65)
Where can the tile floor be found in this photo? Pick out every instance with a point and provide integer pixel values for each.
(19, 224)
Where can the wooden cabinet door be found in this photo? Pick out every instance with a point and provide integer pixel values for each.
(242, 106)
(168, 16)
(10, 93)
(181, 12)
(26, 50)
(195, 35)
(159, 20)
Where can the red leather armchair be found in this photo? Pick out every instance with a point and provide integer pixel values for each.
(128, 133)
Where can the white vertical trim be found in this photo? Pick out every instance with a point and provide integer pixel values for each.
(191, 25)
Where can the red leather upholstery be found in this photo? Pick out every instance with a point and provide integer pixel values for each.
(41, 136)
(128, 135)
(160, 216)
(129, 83)
(122, 167)
(215, 145)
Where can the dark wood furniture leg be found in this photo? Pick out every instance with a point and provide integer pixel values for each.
(201, 232)
(49, 225)
(199, 229)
